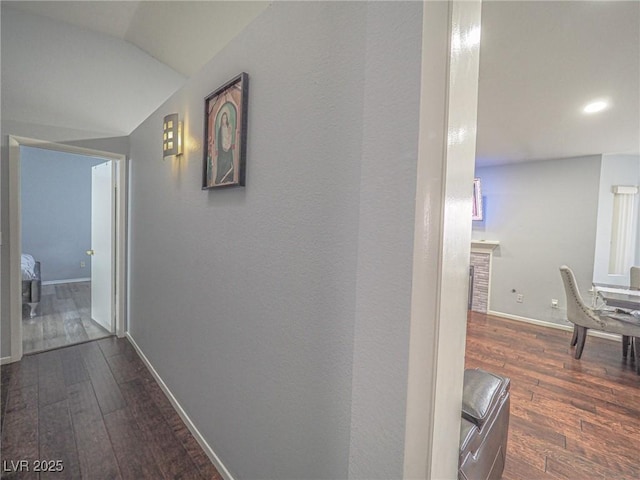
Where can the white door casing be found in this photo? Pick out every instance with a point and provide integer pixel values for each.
(442, 238)
(14, 239)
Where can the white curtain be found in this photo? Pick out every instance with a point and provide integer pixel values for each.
(622, 252)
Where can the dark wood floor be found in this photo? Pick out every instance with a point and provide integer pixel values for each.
(63, 317)
(570, 419)
(95, 407)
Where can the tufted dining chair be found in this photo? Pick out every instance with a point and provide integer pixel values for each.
(584, 318)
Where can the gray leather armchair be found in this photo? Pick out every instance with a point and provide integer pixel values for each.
(485, 425)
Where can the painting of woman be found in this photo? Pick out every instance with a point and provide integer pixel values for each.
(225, 150)
(225, 134)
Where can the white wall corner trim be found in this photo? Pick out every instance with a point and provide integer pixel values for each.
(484, 246)
(185, 418)
(624, 190)
(542, 323)
(442, 239)
(5, 360)
(69, 280)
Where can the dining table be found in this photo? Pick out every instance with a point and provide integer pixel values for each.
(618, 296)
(626, 303)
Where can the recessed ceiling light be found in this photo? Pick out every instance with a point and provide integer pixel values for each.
(595, 107)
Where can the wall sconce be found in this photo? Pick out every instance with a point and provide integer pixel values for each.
(171, 136)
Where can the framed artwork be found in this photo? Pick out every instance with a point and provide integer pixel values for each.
(477, 200)
(225, 134)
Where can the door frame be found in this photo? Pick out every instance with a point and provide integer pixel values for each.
(442, 237)
(15, 233)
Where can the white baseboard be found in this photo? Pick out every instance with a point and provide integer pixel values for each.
(6, 360)
(190, 425)
(543, 323)
(71, 280)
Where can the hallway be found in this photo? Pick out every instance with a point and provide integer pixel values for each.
(97, 409)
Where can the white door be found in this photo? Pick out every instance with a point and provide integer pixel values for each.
(102, 244)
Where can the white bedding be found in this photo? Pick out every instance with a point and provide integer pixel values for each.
(28, 265)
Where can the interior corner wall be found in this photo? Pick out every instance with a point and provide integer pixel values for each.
(616, 170)
(544, 215)
(246, 300)
(385, 239)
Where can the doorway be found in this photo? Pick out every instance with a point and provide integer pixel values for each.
(67, 211)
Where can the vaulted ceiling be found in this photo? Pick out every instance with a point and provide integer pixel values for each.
(99, 68)
(105, 66)
(181, 34)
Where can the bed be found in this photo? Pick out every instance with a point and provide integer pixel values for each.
(31, 282)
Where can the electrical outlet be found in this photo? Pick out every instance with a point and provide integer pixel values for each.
(83, 264)
(520, 298)
(554, 303)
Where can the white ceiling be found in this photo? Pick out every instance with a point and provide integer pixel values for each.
(541, 61)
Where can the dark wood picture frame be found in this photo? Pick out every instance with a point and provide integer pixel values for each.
(225, 135)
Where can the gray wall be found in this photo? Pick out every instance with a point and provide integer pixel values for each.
(544, 215)
(385, 239)
(278, 313)
(56, 211)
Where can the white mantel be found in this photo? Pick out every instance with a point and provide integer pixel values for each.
(484, 246)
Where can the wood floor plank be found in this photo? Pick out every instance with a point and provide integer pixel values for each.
(126, 369)
(95, 452)
(81, 294)
(32, 335)
(74, 330)
(181, 431)
(522, 470)
(57, 441)
(49, 289)
(104, 384)
(51, 384)
(94, 331)
(526, 411)
(23, 373)
(170, 454)
(111, 346)
(134, 455)
(4, 394)
(571, 467)
(53, 335)
(63, 291)
(20, 430)
(549, 435)
(73, 367)
(623, 448)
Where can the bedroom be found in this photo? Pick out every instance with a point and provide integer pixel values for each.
(57, 219)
